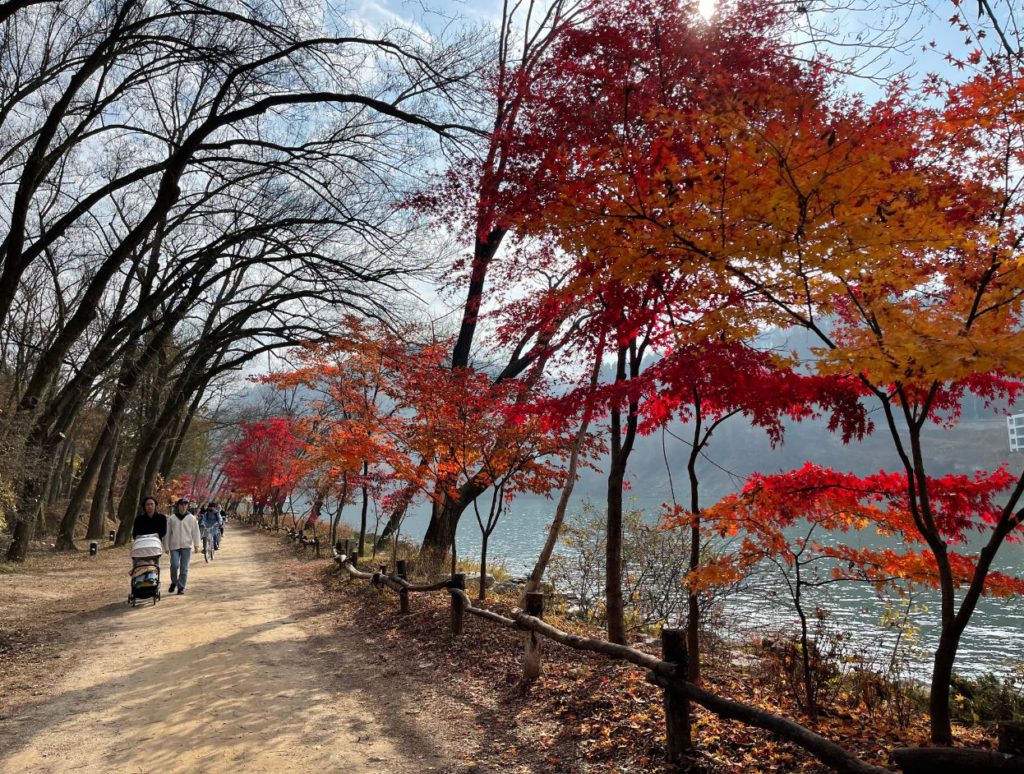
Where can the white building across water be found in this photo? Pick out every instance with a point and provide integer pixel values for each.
(1015, 428)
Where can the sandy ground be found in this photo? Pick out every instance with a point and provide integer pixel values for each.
(236, 675)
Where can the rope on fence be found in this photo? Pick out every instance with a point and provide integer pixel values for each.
(665, 674)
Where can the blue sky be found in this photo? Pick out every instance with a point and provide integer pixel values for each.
(918, 23)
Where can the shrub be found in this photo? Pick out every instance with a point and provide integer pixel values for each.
(989, 698)
(655, 562)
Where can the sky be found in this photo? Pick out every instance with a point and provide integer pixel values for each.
(865, 26)
(856, 22)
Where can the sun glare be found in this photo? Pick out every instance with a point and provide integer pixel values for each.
(706, 8)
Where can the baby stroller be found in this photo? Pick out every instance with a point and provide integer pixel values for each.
(146, 551)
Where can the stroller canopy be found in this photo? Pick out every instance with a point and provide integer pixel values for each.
(146, 546)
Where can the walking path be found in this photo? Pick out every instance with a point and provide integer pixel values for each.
(232, 676)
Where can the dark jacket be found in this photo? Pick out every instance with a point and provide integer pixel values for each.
(150, 525)
(211, 518)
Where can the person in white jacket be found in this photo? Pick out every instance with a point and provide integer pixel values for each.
(181, 539)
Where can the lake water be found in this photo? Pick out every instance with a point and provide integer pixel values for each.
(994, 640)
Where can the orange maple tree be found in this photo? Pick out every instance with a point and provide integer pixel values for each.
(890, 230)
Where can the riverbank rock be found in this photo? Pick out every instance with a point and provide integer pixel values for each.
(488, 580)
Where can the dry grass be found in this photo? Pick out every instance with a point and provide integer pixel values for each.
(43, 600)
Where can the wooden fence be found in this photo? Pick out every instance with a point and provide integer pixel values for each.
(668, 672)
(300, 537)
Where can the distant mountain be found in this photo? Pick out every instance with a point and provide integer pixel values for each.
(736, 450)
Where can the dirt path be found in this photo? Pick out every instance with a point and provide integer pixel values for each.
(232, 676)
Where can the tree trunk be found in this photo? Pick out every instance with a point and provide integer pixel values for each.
(24, 528)
(362, 515)
(131, 498)
(101, 451)
(66, 480)
(483, 252)
(621, 446)
(154, 463)
(178, 439)
(111, 505)
(440, 534)
(336, 518)
(97, 509)
(537, 574)
(30, 506)
(393, 523)
(56, 475)
(66, 531)
(169, 450)
(692, 599)
(938, 696)
(40, 452)
(810, 697)
(614, 604)
(482, 593)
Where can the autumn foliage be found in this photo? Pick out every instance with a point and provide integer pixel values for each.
(673, 190)
(265, 463)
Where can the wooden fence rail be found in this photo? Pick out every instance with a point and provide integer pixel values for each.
(304, 540)
(667, 673)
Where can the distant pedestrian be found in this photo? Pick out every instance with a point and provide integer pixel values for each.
(182, 537)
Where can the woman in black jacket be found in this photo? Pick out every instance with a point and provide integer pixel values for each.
(149, 522)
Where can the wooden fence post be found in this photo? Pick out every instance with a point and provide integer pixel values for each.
(458, 581)
(1011, 737)
(677, 707)
(403, 594)
(531, 648)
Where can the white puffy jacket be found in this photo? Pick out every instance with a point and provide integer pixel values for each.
(182, 532)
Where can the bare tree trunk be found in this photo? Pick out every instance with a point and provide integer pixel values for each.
(58, 473)
(154, 462)
(62, 487)
(692, 599)
(483, 253)
(178, 439)
(40, 452)
(336, 518)
(97, 508)
(537, 574)
(362, 516)
(100, 452)
(134, 490)
(810, 697)
(482, 592)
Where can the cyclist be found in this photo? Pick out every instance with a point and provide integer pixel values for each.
(212, 523)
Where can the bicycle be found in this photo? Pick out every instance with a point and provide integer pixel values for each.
(208, 545)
